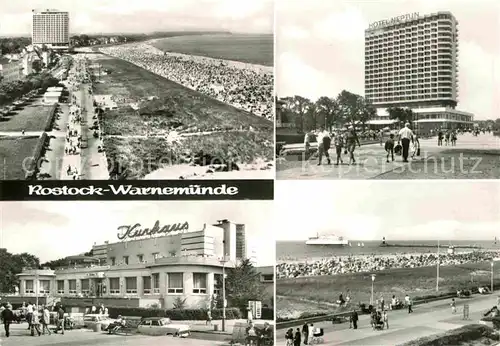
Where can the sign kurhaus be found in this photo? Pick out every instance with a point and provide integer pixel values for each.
(136, 231)
(395, 20)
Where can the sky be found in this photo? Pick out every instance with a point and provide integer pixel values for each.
(53, 230)
(320, 47)
(143, 16)
(397, 210)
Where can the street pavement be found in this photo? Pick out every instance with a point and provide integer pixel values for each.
(21, 336)
(427, 319)
(472, 158)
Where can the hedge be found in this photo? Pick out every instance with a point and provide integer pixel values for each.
(267, 314)
(175, 314)
(50, 119)
(38, 152)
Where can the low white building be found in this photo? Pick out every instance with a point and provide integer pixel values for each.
(51, 97)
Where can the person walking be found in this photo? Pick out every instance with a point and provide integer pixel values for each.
(305, 333)
(385, 319)
(307, 145)
(45, 320)
(339, 145)
(351, 140)
(35, 323)
(7, 318)
(410, 303)
(453, 306)
(60, 320)
(440, 138)
(297, 338)
(289, 337)
(29, 314)
(354, 318)
(209, 317)
(405, 137)
(324, 141)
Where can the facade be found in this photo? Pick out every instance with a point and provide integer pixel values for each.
(411, 61)
(11, 70)
(50, 28)
(148, 266)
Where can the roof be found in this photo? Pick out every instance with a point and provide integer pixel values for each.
(154, 318)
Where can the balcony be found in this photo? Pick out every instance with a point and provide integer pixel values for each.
(190, 260)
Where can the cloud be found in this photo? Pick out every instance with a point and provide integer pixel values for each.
(347, 25)
(293, 32)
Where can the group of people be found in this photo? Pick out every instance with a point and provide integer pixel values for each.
(258, 336)
(306, 335)
(449, 136)
(243, 88)
(38, 318)
(345, 142)
(336, 265)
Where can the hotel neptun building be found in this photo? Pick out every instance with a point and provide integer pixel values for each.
(411, 61)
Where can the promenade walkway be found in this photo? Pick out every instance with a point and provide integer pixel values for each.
(472, 158)
(427, 319)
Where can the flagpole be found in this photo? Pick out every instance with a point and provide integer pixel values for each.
(437, 270)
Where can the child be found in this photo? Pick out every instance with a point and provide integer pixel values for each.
(453, 306)
(389, 147)
(339, 144)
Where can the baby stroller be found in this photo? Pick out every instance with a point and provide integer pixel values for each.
(317, 337)
(377, 322)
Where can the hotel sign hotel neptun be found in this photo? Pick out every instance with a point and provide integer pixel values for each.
(396, 20)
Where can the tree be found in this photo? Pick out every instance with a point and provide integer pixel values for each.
(403, 115)
(327, 108)
(368, 112)
(242, 285)
(351, 107)
(300, 106)
(13, 264)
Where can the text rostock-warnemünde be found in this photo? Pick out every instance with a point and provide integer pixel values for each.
(191, 190)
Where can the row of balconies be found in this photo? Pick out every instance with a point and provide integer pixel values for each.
(434, 97)
(408, 42)
(403, 86)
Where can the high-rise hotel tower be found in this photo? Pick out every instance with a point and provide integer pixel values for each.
(50, 28)
(411, 61)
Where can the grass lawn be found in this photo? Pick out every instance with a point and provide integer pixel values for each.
(417, 282)
(451, 164)
(14, 153)
(139, 157)
(179, 104)
(30, 118)
(254, 49)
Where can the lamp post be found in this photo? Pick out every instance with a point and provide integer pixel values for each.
(37, 287)
(437, 271)
(223, 261)
(492, 264)
(373, 279)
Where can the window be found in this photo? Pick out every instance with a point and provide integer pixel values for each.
(44, 286)
(131, 285)
(72, 286)
(29, 287)
(114, 285)
(267, 278)
(113, 261)
(156, 255)
(155, 323)
(146, 284)
(146, 323)
(85, 286)
(217, 284)
(200, 283)
(125, 259)
(60, 286)
(140, 258)
(156, 283)
(175, 283)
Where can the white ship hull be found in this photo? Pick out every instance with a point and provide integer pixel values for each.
(330, 242)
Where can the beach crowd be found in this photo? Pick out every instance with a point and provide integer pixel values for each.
(370, 263)
(244, 86)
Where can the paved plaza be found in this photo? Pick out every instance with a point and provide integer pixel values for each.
(427, 319)
(20, 336)
(472, 158)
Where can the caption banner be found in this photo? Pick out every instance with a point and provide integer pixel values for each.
(137, 190)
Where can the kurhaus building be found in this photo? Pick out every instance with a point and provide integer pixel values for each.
(146, 267)
(411, 61)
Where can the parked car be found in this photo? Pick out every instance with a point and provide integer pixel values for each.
(90, 320)
(163, 326)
